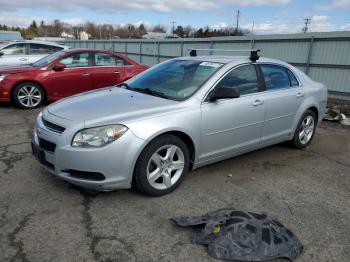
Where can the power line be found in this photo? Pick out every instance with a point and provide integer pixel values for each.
(307, 22)
(237, 21)
(173, 23)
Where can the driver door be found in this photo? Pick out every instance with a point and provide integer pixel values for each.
(75, 78)
(233, 125)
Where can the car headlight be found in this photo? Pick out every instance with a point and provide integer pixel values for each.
(98, 136)
(2, 77)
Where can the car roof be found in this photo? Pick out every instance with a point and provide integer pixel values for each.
(36, 42)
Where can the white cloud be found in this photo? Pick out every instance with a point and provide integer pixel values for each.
(109, 6)
(15, 19)
(319, 23)
(345, 27)
(334, 5)
(74, 21)
(269, 27)
(219, 26)
(322, 23)
(257, 2)
(121, 5)
(341, 4)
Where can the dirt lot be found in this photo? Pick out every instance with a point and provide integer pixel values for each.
(44, 219)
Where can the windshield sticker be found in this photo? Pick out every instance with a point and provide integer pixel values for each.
(211, 64)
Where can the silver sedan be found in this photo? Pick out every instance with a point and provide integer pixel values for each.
(150, 131)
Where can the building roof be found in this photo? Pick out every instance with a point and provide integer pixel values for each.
(10, 35)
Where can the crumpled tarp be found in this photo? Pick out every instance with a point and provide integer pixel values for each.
(333, 115)
(236, 235)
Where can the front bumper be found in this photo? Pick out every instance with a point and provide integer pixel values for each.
(5, 92)
(114, 162)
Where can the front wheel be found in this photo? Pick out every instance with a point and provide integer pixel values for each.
(305, 130)
(161, 166)
(28, 95)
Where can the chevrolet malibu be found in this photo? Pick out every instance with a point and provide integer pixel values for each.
(177, 116)
(63, 74)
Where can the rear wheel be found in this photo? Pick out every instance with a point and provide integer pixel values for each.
(161, 166)
(305, 130)
(28, 95)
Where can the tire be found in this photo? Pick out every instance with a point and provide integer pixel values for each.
(305, 130)
(28, 95)
(167, 158)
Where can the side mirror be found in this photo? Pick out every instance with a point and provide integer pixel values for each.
(59, 67)
(1, 53)
(223, 92)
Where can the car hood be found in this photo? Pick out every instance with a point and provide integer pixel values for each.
(110, 105)
(15, 69)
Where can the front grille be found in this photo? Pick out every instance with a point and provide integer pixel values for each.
(85, 175)
(53, 127)
(46, 145)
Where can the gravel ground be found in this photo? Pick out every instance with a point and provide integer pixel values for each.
(45, 219)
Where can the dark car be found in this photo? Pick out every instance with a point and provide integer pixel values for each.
(63, 74)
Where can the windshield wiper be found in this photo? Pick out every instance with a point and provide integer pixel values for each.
(144, 90)
(124, 84)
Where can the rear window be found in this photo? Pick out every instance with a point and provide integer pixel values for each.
(276, 77)
(41, 49)
(104, 59)
(293, 79)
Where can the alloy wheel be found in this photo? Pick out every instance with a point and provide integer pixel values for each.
(306, 130)
(165, 167)
(29, 96)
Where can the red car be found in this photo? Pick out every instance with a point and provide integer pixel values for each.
(63, 74)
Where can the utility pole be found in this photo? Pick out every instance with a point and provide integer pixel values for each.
(237, 21)
(307, 22)
(173, 32)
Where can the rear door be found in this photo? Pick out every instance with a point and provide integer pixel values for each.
(108, 70)
(233, 125)
(283, 97)
(38, 51)
(75, 78)
(14, 54)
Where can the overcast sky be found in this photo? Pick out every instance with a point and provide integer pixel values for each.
(269, 16)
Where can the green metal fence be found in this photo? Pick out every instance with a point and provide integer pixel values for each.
(325, 57)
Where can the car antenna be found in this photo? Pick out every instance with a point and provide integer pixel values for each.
(254, 53)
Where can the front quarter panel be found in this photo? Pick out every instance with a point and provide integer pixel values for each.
(186, 121)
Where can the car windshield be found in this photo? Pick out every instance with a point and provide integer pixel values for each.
(174, 79)
(48, 59)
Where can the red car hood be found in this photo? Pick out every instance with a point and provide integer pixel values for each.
(15, 69)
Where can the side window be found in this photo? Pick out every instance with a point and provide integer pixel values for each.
(293, 79)
(40, 49)
(276, 77)
(103, 59)
(76, 60)
(16, 49)
(243, 78)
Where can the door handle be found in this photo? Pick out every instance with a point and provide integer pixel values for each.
(299, 95)
(23, 59)
(85, 74)
(258, 102)
(116, 72)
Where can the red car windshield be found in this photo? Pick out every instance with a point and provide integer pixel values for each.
(48, 59)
